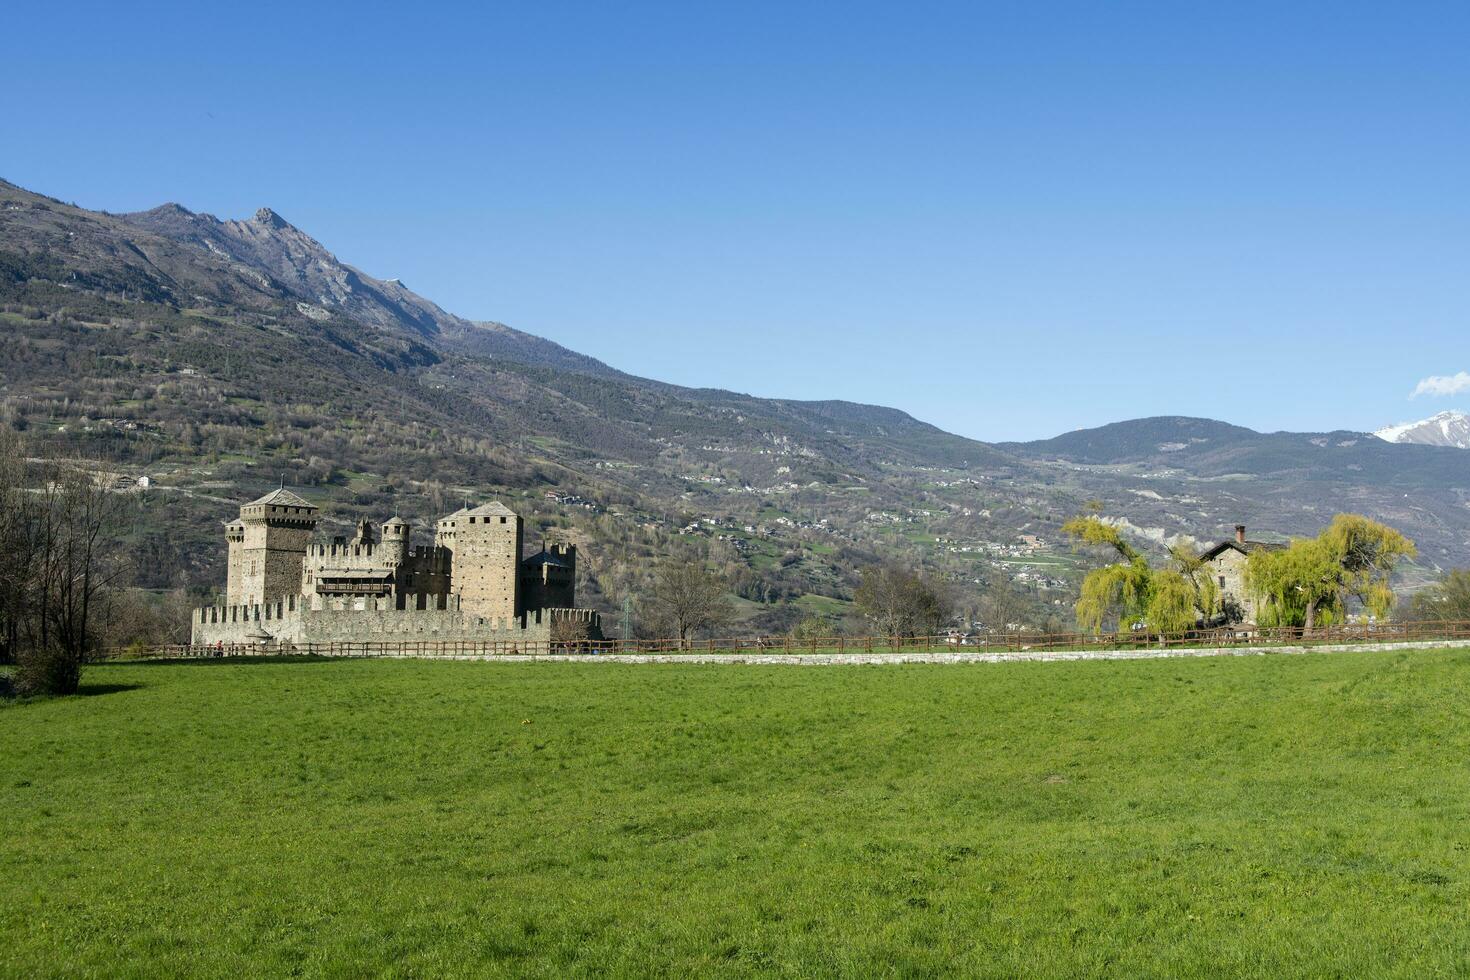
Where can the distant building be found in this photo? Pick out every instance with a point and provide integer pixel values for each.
(1225, 563)
(470, 584)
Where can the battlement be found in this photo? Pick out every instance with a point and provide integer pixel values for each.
(310, 619)
(590, 616)
(289, 606)
(341, 549)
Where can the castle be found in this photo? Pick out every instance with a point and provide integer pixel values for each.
(471, 584)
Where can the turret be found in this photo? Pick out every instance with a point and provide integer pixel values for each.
(234, 574)
(364, 534)
(396, 533)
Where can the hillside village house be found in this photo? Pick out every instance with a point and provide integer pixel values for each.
(1225, 563)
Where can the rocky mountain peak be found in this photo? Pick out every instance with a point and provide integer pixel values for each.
(1449, 428)
(172, 209)
(267, 217)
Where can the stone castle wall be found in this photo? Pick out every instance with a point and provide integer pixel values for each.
(301, 619)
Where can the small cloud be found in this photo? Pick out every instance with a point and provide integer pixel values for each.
(1443, 385)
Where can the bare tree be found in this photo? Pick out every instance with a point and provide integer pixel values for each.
(898, 602)
(15, 543)
(1000, 607)
(56, 569)
(687, 600)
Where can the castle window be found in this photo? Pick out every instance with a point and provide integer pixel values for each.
(502, 520)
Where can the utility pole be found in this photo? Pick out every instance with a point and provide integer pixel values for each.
(625, 624)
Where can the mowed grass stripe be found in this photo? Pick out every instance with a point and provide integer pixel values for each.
(1273, 815)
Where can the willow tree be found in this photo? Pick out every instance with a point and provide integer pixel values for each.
(1165, 600)
(1446, 601)
(1313, 579)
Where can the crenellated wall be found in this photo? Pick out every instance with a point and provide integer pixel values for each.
(311, 619)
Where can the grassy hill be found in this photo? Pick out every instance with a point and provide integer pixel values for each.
(1262, 816)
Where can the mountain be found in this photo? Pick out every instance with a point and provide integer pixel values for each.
(288, 260)
(1206, 448)
(1450, 429)
(1137, 439)
(220, 357)
(1186, 471)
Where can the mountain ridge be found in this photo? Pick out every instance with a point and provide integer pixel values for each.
(1450, 429)
(220, 351)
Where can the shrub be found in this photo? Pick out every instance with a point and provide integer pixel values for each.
(47, 670)
(812, 628)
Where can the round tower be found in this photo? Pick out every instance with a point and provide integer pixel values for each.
(235, 566)
(395, 540)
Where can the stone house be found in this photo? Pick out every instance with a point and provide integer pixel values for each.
(1225, 563)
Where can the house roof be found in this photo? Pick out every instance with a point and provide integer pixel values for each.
(1245, 549)
(545, 558)
(282, 498)
(493, 509)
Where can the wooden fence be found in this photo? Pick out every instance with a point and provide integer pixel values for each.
(1018, 642)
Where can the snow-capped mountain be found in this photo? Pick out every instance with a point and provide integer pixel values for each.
(1444, 429)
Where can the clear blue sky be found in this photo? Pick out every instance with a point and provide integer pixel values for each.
(1008, 219)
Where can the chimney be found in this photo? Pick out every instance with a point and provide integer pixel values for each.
(1240, 533)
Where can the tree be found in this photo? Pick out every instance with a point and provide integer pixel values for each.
(687, 600)
(56, 573)
(1446, 601)
(15, 543)
(568, 633)
(1165, 600)
(1313, 578)
(1000, 606)
(811, 628)
(898, 602)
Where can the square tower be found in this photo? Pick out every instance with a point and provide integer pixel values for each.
(486, 546)
(268, 547)
(549, 580)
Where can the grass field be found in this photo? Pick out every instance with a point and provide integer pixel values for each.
(1269, 816)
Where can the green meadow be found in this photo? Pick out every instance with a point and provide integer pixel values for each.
(1265, 816)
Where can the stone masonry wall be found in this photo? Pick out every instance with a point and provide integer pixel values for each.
(294, 620)
(1230, 566)
(487, 559)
